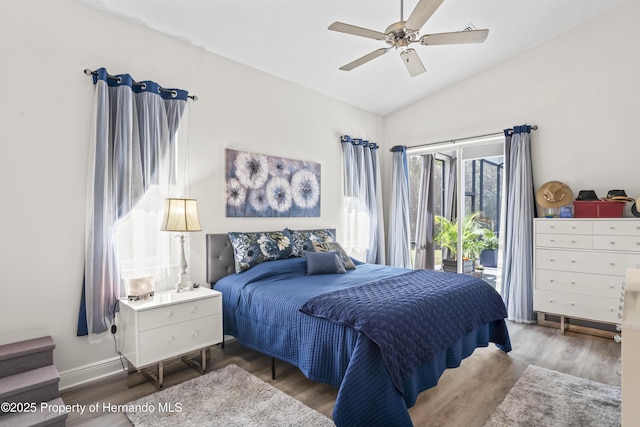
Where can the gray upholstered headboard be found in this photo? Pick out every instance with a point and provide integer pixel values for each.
(220, 261)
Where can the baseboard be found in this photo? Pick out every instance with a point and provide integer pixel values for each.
(90, 372)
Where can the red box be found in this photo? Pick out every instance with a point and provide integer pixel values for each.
(598, 209)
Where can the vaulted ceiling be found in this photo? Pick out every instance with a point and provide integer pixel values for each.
(290, 39)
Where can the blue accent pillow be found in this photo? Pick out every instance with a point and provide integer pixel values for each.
(303, 240)
(324, 263)
(335, 246)
(250, 249)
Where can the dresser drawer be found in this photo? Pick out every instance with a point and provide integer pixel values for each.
(575, 305)
(617, 243)
(579, 283)
(563, 226)
(176, 313)
(607, 263)
(571, 241)
(174, 340)
(617, 228)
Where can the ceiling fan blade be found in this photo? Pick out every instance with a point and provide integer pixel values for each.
(368, 57)
(459, 37)
(412, 62)
(423, 11)
(356, 31)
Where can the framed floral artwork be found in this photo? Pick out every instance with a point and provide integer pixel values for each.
(258, 185)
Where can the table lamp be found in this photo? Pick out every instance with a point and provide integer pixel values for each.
(181, 215)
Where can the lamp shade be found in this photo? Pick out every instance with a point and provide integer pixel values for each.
(181, 215)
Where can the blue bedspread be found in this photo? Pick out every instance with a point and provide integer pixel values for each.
(261, 308)
(413, 316)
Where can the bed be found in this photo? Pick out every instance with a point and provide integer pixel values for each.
(380, 334)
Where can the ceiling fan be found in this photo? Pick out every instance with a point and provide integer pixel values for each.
(403, 33)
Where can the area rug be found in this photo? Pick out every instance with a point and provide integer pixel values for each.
(227, 397)
(542, 397)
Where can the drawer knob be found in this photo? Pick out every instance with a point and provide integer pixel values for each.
(613, 243)
(196, 333)
(551, 259)
(573, 282)
(573, 227)
(172, 340)
(195, 309)
(171, 314)
(611, 286)
(552, 240)
(573, 303)
(612, 227)
(573, 261)
(550, 280)
(612, 263)
(573, 241)
(550, 299)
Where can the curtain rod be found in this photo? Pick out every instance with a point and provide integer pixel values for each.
(89, 72)
(453, 141)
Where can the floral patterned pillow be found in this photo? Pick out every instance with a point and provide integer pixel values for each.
(303, 240)
(250, 249)
(335, 246)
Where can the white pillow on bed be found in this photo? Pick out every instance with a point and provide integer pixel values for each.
(324, 263)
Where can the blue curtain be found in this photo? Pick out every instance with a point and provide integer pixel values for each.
(133, 134)
(363, 199)
(517, 266)
(425, 248)
(399, 225)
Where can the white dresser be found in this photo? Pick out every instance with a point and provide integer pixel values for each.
(580, 265)
(171, 324)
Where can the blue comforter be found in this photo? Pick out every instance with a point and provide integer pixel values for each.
(393, 313)
(262, 310)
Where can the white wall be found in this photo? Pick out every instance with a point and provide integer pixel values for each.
(581, 88)
(45, 114)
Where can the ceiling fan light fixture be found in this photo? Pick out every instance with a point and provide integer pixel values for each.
(412, 62)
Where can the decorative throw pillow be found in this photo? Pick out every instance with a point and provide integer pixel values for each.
(303, 240)
(335, 246)
(250, 249)
(324, 263)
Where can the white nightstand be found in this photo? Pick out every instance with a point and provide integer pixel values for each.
(170, 325)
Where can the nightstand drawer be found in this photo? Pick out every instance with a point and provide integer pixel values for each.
(579, 306)
(174, 340)
(176, 313)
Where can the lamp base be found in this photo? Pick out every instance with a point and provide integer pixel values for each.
(183, 284)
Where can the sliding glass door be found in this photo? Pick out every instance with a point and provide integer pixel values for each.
(476, 168)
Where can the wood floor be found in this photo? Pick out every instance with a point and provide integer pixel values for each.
(464, 397)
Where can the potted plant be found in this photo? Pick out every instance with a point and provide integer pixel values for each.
(472, 241)
(489, 254)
